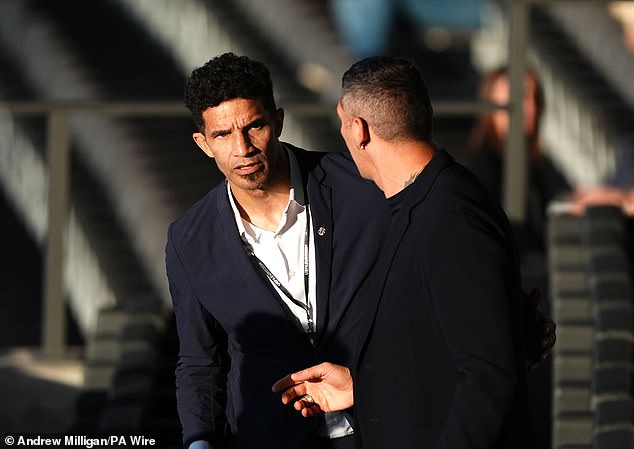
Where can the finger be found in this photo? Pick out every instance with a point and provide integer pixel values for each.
(539, 361)
(549, 326)
(543, 356)
(285, 383)
(302, 404)
(293, 393)
(314, 372)
(282, 384)
(307, 410)
(296, 378)
(311, 411)
(548, 341)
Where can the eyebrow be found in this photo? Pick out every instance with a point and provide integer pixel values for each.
(219, 132)
(259, 121)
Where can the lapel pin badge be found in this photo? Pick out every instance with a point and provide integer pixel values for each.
(321, 231)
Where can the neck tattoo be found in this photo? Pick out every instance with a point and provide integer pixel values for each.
(411, 179)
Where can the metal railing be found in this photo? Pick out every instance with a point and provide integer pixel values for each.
(58, 160)
(58, 140)
(515, 165)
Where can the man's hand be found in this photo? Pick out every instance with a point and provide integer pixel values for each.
(539, 332)
(322, 388)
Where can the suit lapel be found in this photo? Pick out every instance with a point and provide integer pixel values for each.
(256, 281)
(322, 232)
(373, 290)
(319, 198)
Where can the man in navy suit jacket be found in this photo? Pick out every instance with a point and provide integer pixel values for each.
(439, 362)
(238, 331)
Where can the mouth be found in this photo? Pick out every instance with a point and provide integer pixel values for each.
(248, 169)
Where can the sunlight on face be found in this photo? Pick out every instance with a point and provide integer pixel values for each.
(242, 137)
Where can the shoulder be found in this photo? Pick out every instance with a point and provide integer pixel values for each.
(334, 184)
(332, 169)
(323, 162)
(457, 179)
(202, 216)
(449, 179)
(458, 196)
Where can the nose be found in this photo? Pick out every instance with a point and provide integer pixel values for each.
(242, 144)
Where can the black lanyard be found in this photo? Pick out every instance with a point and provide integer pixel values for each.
(278, 284)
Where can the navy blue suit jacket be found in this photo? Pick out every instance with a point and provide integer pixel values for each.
(440, 361)
(236, 335)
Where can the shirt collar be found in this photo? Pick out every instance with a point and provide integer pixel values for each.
(296, 202)
(297, 187)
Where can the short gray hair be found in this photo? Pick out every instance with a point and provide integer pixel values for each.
(390, 94)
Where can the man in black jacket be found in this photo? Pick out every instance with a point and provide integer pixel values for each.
(263, 268)
(440, 358)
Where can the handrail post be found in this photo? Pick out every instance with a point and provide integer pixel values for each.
(515, 163)
(54, 316)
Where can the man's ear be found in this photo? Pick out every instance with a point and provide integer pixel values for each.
(200, 140)
(278, 120)
(361, 132)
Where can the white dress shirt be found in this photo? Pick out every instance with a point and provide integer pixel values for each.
(282, 250)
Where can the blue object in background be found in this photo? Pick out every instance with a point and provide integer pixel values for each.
(365, 25)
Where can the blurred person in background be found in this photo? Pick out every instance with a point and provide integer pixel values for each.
(486, 146)
(623, 12)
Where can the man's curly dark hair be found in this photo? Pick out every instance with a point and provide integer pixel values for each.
(224, 78)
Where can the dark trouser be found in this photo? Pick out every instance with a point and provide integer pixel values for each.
(336, 443)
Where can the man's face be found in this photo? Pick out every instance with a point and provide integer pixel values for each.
(243, 139)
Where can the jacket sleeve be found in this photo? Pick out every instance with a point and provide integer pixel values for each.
(203, 362)
(469, 270)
